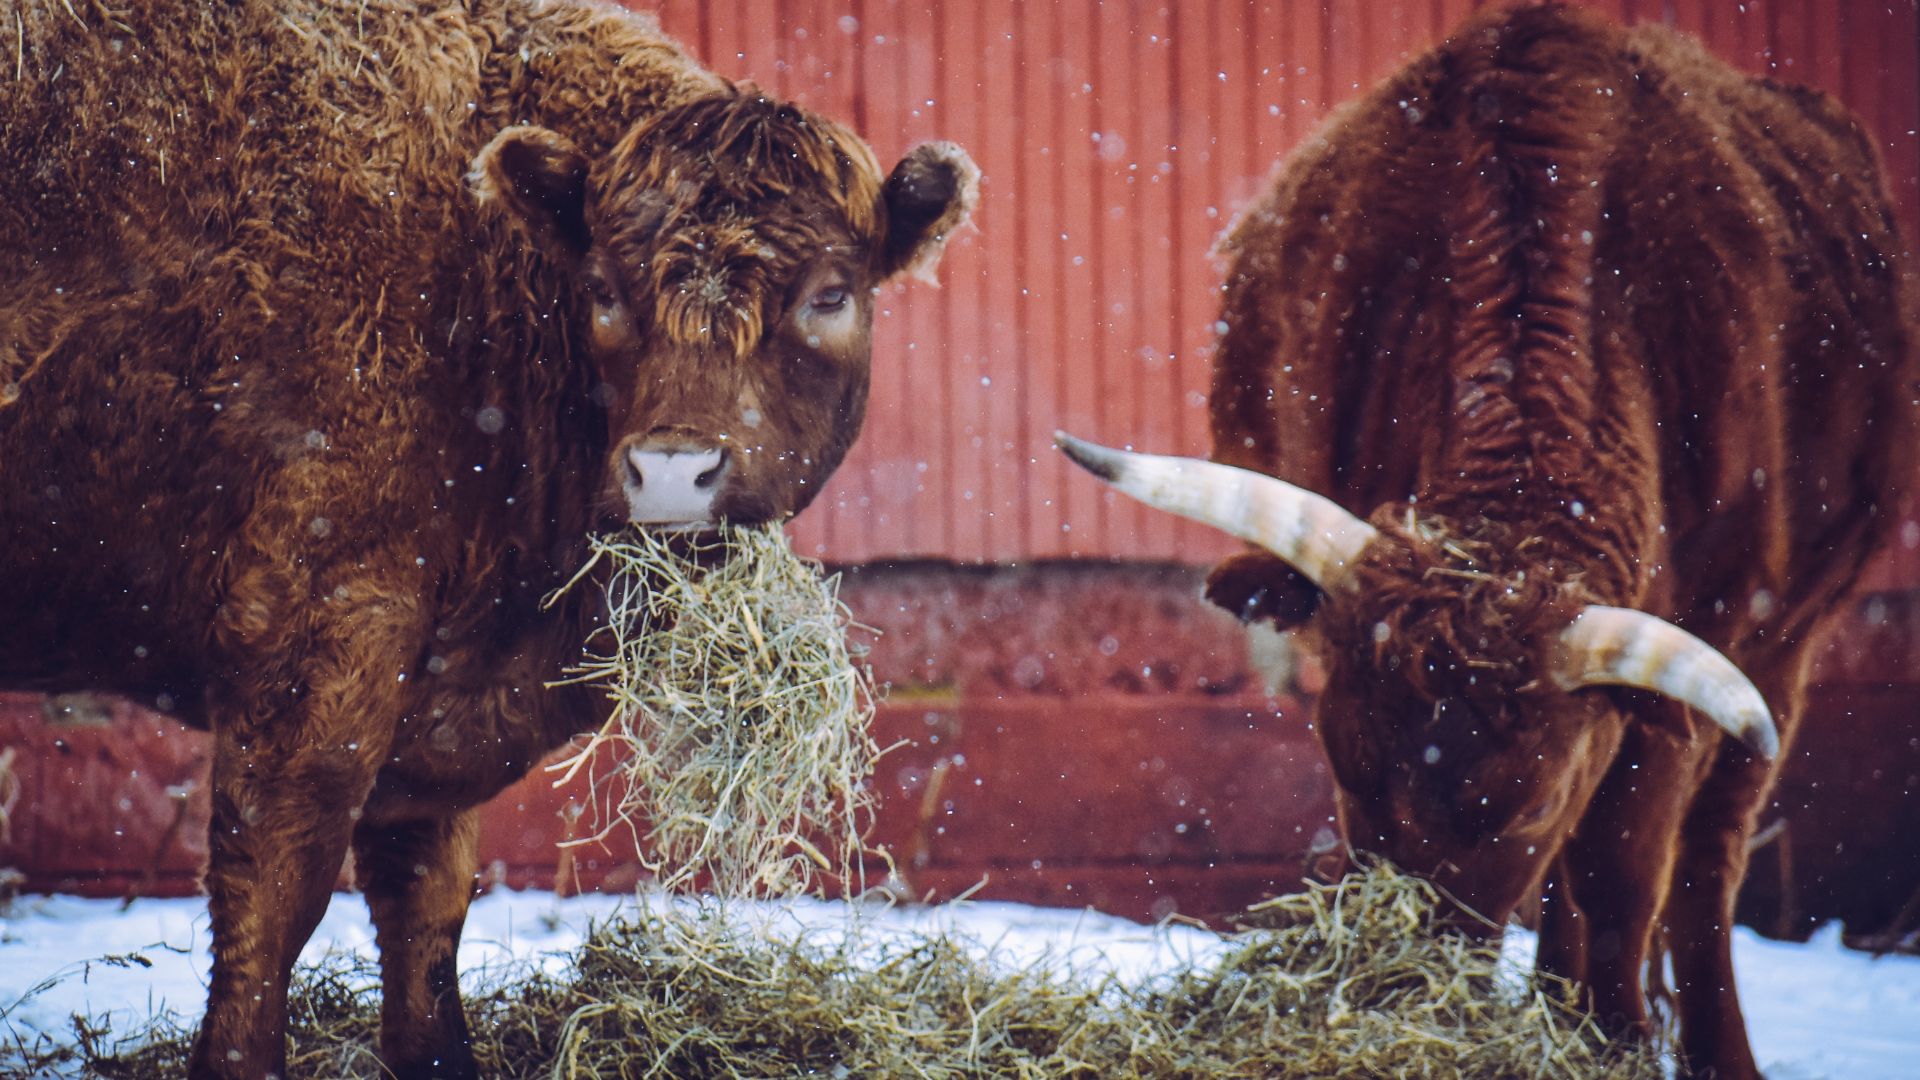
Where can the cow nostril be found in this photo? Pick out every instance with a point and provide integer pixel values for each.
(712, 476)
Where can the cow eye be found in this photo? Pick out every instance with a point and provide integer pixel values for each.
(829, 300)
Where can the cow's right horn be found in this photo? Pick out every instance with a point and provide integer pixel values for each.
(1312, 533)
(1623, 647)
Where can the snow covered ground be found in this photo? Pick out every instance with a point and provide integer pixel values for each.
(1815, 1010)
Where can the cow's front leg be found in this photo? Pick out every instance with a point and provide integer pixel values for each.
(1713, 862)
(418, 878)
(1612, 878)
(1563, 927)
(282, 806)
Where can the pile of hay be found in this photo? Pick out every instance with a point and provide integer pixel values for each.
(738, 748)
(1348, 981)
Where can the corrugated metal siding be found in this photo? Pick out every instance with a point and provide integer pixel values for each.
(1118, 139)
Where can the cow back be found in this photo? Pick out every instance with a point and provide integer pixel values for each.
(1600, 287)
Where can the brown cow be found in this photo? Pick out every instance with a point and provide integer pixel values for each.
(1610, 346)
(328, 331)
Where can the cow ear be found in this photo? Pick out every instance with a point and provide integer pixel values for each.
(931, 193)
(539, 176)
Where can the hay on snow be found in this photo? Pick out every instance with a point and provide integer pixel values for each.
(1351, 979)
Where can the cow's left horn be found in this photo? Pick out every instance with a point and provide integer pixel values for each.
(1312, 533)
(1622, 647)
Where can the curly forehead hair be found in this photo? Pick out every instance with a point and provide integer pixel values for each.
(1456, 608)
(715, 202)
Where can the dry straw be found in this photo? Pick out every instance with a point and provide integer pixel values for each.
(739, 744)
(1346, 980)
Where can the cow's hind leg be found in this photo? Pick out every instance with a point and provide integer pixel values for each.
(281, 820)
(418, 878)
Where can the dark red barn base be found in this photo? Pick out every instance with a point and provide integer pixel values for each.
(1072, 734)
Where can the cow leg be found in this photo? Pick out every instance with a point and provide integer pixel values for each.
(1563, 928)
(1612, 934)
(1616, 869)
(418, 878)
(281, 820)
(1713, 862)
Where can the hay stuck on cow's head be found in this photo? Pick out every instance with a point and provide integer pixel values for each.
(738, 746)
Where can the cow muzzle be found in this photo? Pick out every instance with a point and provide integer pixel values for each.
(670, 482)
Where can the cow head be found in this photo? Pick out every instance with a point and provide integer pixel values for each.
(723, 259)
(1457, 714)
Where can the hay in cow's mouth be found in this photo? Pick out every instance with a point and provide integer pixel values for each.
(1346, 979)
(738, 748)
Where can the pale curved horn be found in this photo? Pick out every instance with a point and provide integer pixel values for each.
(1622, 647)
(1312, 533)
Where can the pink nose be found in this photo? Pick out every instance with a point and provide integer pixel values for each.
(673, 484)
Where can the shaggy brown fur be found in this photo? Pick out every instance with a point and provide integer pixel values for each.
(325, 328)
(1575, 315)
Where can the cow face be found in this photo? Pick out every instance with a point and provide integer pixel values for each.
(723, 260)
(1444, 791)
(1457, 753)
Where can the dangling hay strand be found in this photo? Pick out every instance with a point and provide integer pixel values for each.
(9, 794)
(1348, 980)
(10, 879)
(740, 727)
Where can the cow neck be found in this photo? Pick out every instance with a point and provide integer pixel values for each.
(524, 450)
(1532, 441)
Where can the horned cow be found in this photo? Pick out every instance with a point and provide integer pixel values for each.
(328, 332)
(1585, 366)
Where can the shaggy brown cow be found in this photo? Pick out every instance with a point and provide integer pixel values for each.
(1591, 329)
(328, 331)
